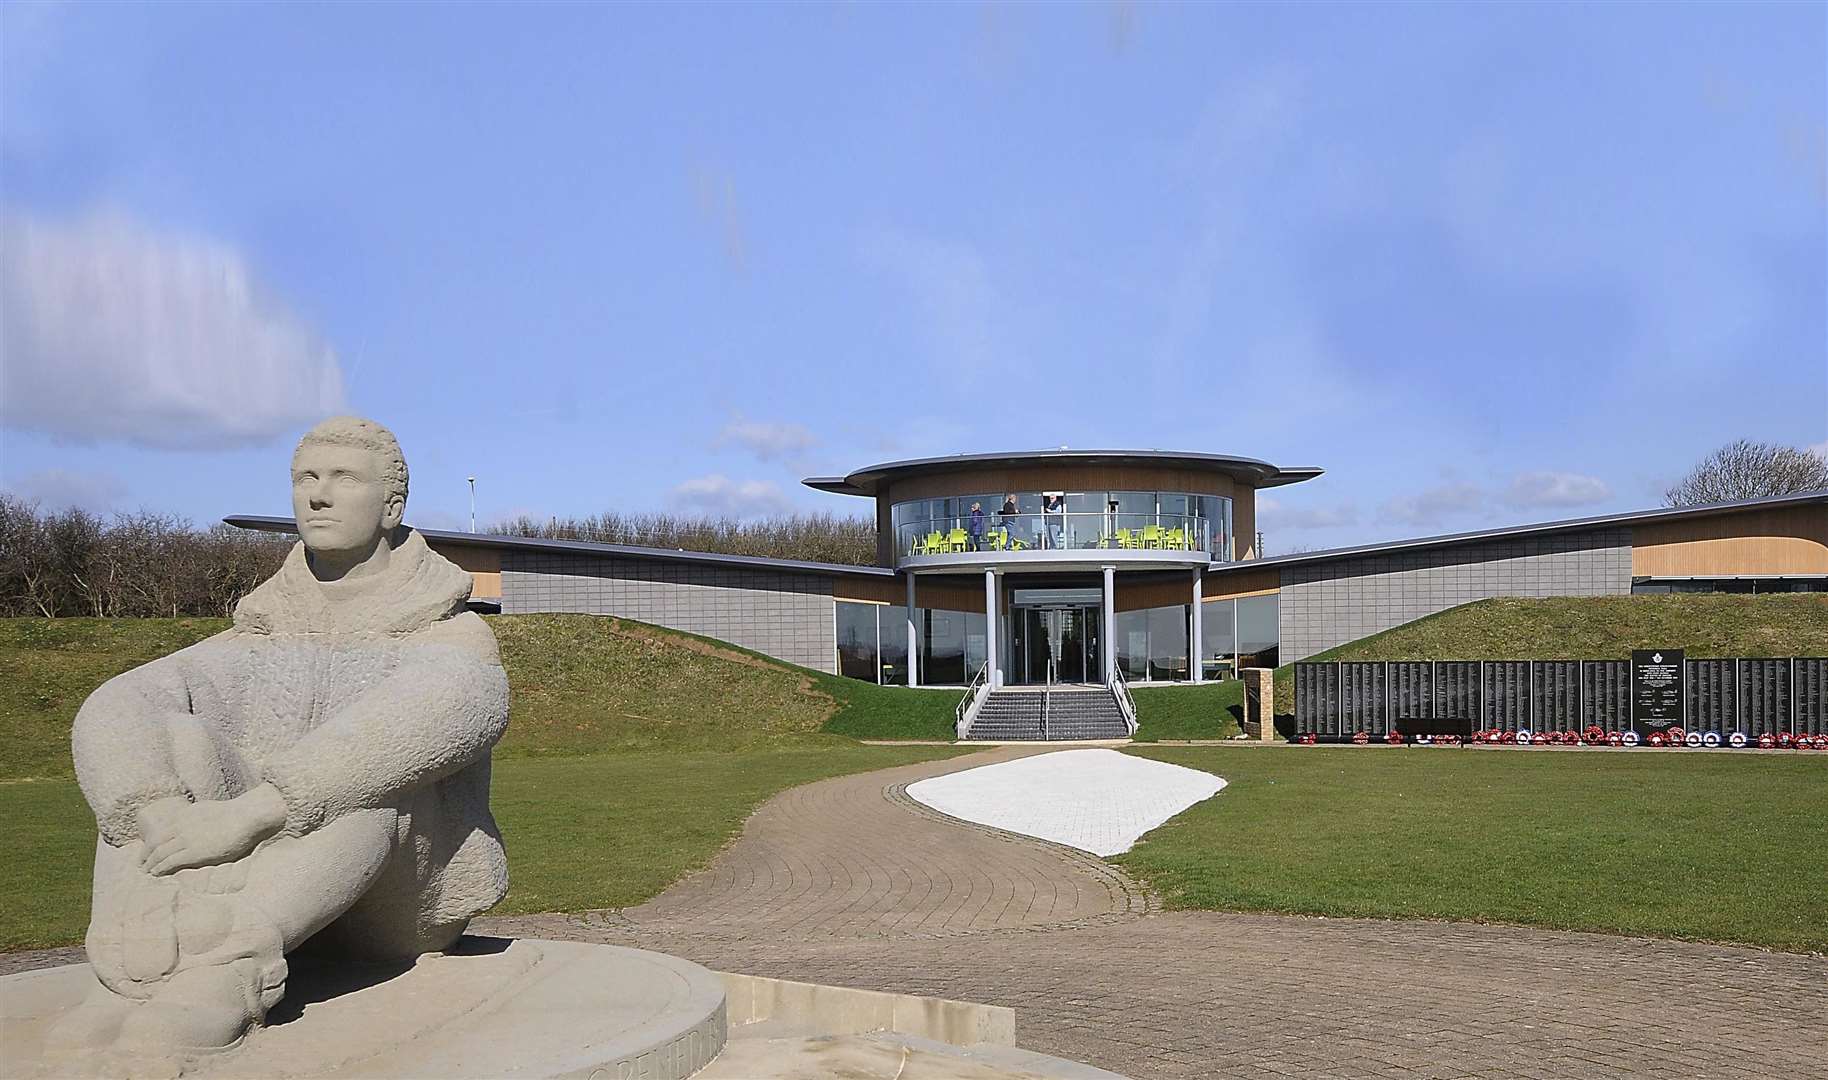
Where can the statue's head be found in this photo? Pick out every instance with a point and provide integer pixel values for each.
(348, 486)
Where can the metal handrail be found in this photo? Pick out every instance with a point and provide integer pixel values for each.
(1120, 689)
(982, 678)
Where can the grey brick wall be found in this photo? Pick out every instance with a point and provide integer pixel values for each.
(787, 616)
(1328, 604)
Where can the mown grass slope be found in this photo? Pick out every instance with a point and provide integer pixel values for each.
(1593, 628)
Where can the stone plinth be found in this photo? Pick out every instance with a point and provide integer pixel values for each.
(493, 1008)
(1259, 703)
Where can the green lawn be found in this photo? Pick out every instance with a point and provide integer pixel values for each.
(603, 830)
(1708, 846)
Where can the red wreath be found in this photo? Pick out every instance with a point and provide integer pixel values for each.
(1767, 741)
(1656, 739)
(1614, 738)
(1361, 738)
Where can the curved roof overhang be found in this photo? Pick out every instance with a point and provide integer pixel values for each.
(868, 481)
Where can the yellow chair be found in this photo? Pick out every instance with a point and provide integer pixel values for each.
(1152, 536)
(1123, 539)
(959, 541)
(935, 543)
(1176, 538)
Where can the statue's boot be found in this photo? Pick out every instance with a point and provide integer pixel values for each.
(204, 966)
(203, 1010)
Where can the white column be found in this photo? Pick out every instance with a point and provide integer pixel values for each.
(1110, 623)
(1198, 637)
(913, 637)
(990, 626)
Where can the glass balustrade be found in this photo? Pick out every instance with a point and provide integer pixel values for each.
(1053, 532)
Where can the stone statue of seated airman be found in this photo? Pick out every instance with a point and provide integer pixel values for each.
(319, 772)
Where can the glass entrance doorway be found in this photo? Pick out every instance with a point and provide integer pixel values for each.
(1066, 634)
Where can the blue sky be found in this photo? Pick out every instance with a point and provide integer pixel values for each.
(1484, 264)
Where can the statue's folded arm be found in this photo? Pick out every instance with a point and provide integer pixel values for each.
(440, 710)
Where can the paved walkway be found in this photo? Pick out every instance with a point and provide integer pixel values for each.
(849, 882)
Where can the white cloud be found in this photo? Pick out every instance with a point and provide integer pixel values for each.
(1273, 513)
(768, 442)
(1434, 505)
(719, 496)
(113, 332)
(1556, 489)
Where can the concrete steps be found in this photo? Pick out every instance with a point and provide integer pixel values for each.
(1015, 715)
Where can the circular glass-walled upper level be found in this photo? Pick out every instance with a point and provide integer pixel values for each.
(1020, 521)
(1045, 506)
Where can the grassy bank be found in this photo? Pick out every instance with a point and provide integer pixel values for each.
(1206, 711)
(1594, 627)
(1663, 845)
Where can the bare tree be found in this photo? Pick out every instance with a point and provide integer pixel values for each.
(1750, 470)
(812, 537)
(143, 565)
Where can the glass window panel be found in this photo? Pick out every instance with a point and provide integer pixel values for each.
(1168, 643)
(1218, 649)
(1259, 631)
(857, 640)
(1132, 640)
(1134, 509)
(942, 647)
(894, 622)
(975, 651)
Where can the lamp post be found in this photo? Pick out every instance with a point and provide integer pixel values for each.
(472, 504)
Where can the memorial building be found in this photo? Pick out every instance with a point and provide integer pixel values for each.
(1091, 566)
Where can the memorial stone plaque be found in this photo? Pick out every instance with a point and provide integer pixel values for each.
(1656, 689)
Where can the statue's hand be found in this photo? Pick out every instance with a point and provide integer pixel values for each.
(180, 836)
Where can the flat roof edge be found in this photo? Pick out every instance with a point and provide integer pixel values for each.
(261, 523)
(1668, 513)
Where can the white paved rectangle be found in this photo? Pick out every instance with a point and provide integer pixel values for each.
(1099, 801)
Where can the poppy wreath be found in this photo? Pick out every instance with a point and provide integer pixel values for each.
(1767, 741)
(1395, 738)
(1656, 739)
(1361, 738)
(1613, 738)
(1595, 735)
(1784, 740)
(1736, 740)
(1675, 735)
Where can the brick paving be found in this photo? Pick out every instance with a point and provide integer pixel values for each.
(849, 882)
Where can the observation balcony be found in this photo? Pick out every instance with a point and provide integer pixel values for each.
(1061, 540)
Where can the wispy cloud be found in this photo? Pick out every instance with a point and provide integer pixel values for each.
(55, 489)
(1556, 489)
(1435, 505)
(767, 441)
(715, 191)
(115, 332)
(1273, 513)
(719, 496)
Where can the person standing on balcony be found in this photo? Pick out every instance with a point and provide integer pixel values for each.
(1006, 519)
(975, 526)
(1053, 513)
